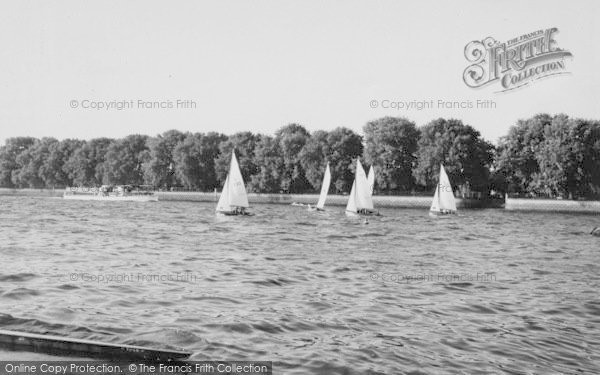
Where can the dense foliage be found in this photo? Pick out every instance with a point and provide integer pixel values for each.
(545, 155)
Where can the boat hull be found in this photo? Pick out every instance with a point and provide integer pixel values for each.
(58, 345)
(368, 213)
(439, 214)
(233, 213)
(127, 198)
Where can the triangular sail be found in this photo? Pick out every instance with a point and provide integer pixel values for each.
(363, 191)
(223, 204)
(443, 198)
(234, 191)
(351, 206)
(324, 188)
(360, 195)
(371, 179)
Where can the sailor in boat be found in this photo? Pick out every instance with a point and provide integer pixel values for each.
(367, 212)
(242, 211)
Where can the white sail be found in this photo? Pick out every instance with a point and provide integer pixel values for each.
(223, 204)
(234, 191)
(360, 195)
(351, 206)
(443, 198)
(371, 179)
(324, 188)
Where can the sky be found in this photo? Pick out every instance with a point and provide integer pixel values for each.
(259, 65)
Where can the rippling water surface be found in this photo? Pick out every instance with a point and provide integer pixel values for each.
(486, 292)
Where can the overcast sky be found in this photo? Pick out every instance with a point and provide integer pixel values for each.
(258, 65)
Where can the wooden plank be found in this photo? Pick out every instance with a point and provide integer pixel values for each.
(58, 345)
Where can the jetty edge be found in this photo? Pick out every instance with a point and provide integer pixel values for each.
(59, 345)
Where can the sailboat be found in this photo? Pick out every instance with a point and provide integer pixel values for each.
(360, 201)
(371, 179)
(233, 200)
(324, 190)
(443, 200)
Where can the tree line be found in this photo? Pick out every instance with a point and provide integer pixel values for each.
(544, 155)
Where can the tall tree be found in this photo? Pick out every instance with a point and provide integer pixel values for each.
(86, 165)
(244, 144)
(124, 160)
(291, 139)
(31, 169)
(313, 157)
(568, 159)
(8, 158)
(344, 146)
(516, 158)
(55, 169)
(271, 167)
(195, 160)
(159, 169)
(466, 156)
(391, 143)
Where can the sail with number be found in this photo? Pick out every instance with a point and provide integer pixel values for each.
(234, 192)
(360, 195)
(324, 188)
(371, 179)
(443, 199)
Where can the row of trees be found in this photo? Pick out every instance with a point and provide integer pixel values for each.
(543, 155)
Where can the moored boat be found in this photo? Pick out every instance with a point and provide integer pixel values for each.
(136, 193)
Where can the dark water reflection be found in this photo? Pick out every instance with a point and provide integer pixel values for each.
(487, 292)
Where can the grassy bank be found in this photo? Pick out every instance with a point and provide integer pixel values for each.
(552, 205)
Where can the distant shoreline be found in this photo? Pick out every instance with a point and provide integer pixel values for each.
(383, 201)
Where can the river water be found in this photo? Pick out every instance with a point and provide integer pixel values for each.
(316, 293)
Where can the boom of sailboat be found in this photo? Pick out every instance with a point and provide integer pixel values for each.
(234, 199)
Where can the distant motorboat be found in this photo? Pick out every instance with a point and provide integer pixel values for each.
(135, 193)
(233, 200)
(360, 201)
(324, 190)
(443, 202)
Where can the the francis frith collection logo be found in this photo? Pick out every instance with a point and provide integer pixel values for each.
(516, 62)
